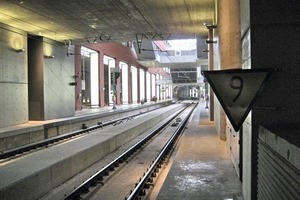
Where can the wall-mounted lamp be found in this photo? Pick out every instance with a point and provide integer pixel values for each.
(73, 84)
(205, 50)
(20, 50)
(49, 56)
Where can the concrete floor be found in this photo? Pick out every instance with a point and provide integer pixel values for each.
(201, 168)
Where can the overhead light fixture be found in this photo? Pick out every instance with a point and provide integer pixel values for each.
(49, 56)
(105, 38)
(92, 40)
(20, 50)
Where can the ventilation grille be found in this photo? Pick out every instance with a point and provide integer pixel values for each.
(277, 178)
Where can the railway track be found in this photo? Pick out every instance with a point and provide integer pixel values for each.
(9, 154)
(130, 175)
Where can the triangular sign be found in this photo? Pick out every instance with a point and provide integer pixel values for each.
(237, 90)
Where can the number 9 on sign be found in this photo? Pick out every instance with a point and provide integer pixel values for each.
(236, 83)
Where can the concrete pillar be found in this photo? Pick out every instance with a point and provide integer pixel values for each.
(229, 31)
(94, 78)
(134, 84)
(229, 34)
(153, 85)
(118, 83)
(148, 86)
(129, 84)
(138, 86)
(101, 80)
(124, 83)
(211, 67)
(36, 78)
(78, 90)
(157, 77)
(111, 64)
(142, 82)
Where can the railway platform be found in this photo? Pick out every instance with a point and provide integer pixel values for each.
(34, 131)
(33, 175)
(201, 168)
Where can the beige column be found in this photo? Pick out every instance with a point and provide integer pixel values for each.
(229, 42)
(229, 29)
(101, 80)
(118, 84)
(211, 67)
(78, 74)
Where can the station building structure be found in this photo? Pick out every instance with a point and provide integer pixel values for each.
(42, 79)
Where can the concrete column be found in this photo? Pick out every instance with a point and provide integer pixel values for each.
(229, 44)
(229, 34)
(36, 78)
(101, 80)
(153, 85)
(148, 86)
(211, 67)
(134, 84)
(157, 88)
(138, 86)
(111, 64)
(142, 82)
(118, 97)
(78, 87)
(94, 78)
(129, 84)
(124, 81)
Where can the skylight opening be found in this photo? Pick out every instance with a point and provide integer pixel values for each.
(183, 44)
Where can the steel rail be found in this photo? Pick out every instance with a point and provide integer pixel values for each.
(44, 143)
(94, 179)
(146, 180)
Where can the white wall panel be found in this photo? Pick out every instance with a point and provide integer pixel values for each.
(124, 78)
(134, 85)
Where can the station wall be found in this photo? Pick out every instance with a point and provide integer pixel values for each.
(247, 139)
(270, 39)
(59, 74)
(50, 73)
(117, 51)
(275, 44)
(13, 77)
(57, 95)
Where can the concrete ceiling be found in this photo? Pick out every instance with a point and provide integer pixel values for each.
(109, 20)
(88, 21)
